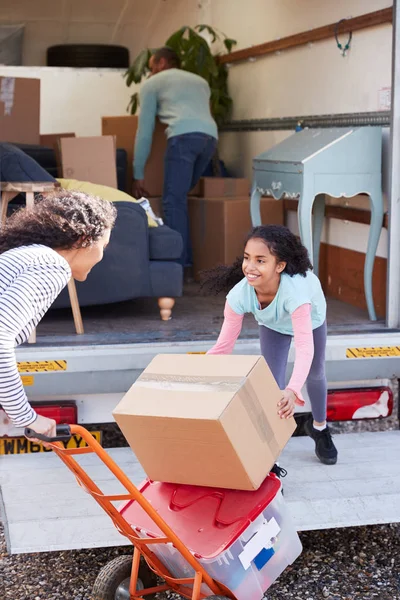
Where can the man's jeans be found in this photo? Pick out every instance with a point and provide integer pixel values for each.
(186, 159)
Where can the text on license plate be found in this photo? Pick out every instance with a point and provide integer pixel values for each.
(21, 445)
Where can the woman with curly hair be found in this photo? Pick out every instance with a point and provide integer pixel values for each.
(286, 299)
(63, 236)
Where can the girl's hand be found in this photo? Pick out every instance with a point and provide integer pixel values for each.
(287, 404)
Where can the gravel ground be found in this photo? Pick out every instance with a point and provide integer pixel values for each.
(360, 563)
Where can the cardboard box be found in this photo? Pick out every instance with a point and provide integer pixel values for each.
(19, 110)
(223, 187)
(124, 129)
(219, 227)
(89, 159)
(205, 420)
(52, 140)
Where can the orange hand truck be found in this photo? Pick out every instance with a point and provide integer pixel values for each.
(126, 577)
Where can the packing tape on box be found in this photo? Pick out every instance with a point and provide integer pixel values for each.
(190, 383)
(258, 417)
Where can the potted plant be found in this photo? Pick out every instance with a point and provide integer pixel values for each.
(197, 55)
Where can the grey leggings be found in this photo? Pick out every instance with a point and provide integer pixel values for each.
(275, 349)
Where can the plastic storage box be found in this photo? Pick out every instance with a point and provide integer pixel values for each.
(245, 540)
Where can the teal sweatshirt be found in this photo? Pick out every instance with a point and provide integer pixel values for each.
(181, 100)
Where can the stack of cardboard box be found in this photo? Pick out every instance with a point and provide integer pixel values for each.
(220, 220)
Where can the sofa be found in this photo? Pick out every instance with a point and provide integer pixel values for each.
(140, 261)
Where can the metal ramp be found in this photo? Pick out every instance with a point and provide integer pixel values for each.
(43, 508)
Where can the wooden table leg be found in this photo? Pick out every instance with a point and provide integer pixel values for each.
(76, 311)
(30, 199)
(6, 198)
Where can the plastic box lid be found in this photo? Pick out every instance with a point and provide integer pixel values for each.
(207, 520)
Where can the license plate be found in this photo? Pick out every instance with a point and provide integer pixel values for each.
(21, 445)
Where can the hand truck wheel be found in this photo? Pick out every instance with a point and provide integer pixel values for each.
(112, 583)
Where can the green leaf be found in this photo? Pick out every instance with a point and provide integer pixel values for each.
(129, 77)
(210, 30)
(139, 68)
(229, 43)
(175, 40)
(133, 104)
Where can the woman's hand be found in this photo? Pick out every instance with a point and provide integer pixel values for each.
(44, 426)
(287, 404)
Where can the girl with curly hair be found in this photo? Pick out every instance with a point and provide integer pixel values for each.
(63, 236)
(274, 281)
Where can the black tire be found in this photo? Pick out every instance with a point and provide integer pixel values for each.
(88, 56)
(116, 574)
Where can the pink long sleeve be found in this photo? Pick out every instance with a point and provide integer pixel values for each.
(304, 349)
(230, 332)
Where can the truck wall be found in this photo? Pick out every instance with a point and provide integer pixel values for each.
(310, 80)
(313, 79)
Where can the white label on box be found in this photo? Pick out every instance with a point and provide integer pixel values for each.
(385, 98)
(7, 94)
(262, 539)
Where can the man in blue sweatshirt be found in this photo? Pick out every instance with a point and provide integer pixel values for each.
(181, 100)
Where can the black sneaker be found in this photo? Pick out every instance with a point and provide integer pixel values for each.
(325, 449)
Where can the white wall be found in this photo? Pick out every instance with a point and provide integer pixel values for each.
(74, 100)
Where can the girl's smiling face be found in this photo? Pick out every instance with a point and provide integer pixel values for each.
(261, 268)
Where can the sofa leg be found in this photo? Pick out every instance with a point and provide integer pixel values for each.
(166, 305)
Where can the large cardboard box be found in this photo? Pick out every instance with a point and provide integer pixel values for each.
(89, 159)
(124, 129)
(205, 420)
(223, 187)
(19, 110)
(219, 227)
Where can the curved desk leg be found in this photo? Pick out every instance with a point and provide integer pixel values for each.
(376, 202)
(255, 212)
(304, 217)
(318, 223)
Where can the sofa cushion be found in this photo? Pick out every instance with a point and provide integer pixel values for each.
(164, 243)
(17, 165)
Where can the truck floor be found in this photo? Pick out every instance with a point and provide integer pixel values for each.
(195, 317)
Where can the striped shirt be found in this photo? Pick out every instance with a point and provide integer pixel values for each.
(31, 278)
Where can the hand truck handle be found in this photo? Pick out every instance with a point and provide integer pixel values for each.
(63, 434)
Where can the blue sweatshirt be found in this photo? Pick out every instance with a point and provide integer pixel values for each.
(181, 100)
